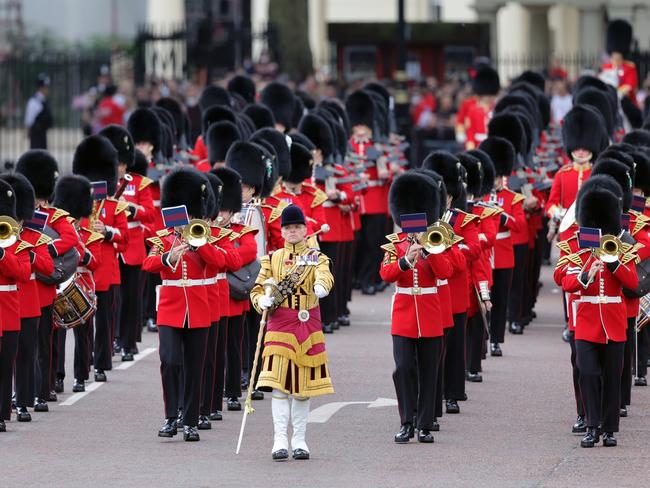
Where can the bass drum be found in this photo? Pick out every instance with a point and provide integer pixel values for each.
(75, 303)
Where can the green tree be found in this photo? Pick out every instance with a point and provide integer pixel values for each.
(289, 37)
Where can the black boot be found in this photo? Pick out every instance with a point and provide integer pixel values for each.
(344, 320)
(216, 416)
(204, 423)
(640, 381)
(190, 434)
(100, 376)
(233, 405)
(79, 386)
(327, 329)
(580, 427)
(474, 377)
(22, 415)
(151, 326)
(168, 429)
(41, 406)
(609, 440)
(591, 439)
(58, 385)
(126, 355)
(516, 328)
(405, 434)
(452, 406)
(425, 435)
(495, 350)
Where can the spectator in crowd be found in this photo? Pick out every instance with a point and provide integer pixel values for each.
(110, 109)
(38, 116)
(561, 101)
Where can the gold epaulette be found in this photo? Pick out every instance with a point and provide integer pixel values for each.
(93, 237)
(245, 230)
(121, 207)
(145, 182)
(163, 232)
(389, 248)
(640, 221)
(156, 242)
(561, 262)
(212, 239)
(575, 257)
(22, 246)
(71, 219)
(320, 197)
(630, 256)
(468, 218)
(564, 246)
(456, 239)
(233, 235)
(517, 197)
(58, 213)
(223, 232)
(394, 238)
(43, 239)
(490, 211)
(276, 211)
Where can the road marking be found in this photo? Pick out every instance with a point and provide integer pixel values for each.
(78, 396)
(323, 413)
(136, 358)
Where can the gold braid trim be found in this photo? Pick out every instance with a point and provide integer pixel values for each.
(299, 353)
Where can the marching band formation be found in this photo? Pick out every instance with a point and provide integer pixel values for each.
(242, 250)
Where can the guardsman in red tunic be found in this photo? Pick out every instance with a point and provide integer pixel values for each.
(600, 319)
(30, 311)
(584, 138)
(416, 325)
(220, 136)
(374, 202)
(135, 190)
(619, 71)
(183, 307)
(96, 159)
(486, 86)
(41, 169)
(238, 303)
(512, 219)
(74, 195)
(16, 259)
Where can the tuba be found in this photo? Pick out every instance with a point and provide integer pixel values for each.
(437, 238)
(610, 248)
(9, 231)
(196, 232)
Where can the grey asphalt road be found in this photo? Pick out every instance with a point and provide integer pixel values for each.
(513, 431)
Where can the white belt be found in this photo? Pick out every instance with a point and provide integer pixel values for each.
(441, 282)
(214, 279)
(134, 224)
(330, 204)
(183, 283)
(599, 299)
(221, 276)
(8, 288)
(372, 183)
(32, 276)
(503, 235)
(416, 290)
(156, 203)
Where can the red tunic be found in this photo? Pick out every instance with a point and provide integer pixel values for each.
(512, 205)
(639, 228)
(627, 77)
(246, 247)
(138, 195)
(41, 263)
(15, 268)
(476, 125)
(339, 214)
(566, 183)
(466, 226)
(375, 199)
(310, 200)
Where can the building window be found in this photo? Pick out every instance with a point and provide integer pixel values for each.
(360, 62)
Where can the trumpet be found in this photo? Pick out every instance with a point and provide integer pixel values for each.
(610, 248)
(437, 238)
(9, 231)
(196, 232)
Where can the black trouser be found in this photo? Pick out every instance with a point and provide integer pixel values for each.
(628, 354)
(329, 304)
(234, 355)
(416, 362)
(356, 267)
(517, 283)
(253, 329)
(475, 342)
(440, 374)
(642, 352)
(600, 364)
(345, 278)
(7, 362)
(454, 380)
(149, 308)
(182, 350)
(116, 300)
(103, 346)
(220, 364)
(82, 346)
(209, 366)
(131, 305)
(373, 228)
(580, 404)
(26, 362)
(500, 289)
(44, 354)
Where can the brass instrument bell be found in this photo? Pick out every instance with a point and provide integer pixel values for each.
(9, 231)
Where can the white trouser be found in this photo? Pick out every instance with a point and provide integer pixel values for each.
(281, 409)
(299, 416)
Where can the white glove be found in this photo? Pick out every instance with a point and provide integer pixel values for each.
(461, 137)
(264, 302)
(320, 291)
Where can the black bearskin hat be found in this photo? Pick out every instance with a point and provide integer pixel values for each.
(231, 192)
(24, 194)
(214, 202)
(317, 130)
(176, 111)
(642, 171)
(189, 187)
(511, 128)
(632, 113)
(336, 108)
(244, 86)
(251, 162)
(140, 165)
(73, 194)
(298, 111)
(414, 193)
(220, 136)
(122, 142)
(245, 125)
(260, 115)
(380, 90)
(599, 101)
(535, 78)
(214, 114)
(279, 98)
(7, 200)
(619, 37)
(489, 173)
(638, 137)
(486, 81)
(502, 154)
(583, 129)
(621, 157)
(599, 208)
(96, 159)
(448, 166)
(41, 169)
(302, 164)
(297, 137)
(439, 185)
(145, 126)
(603, 182)
(361, 109)
(279, 142)
(271, 177)
(621, 173)
(213, 95)
(474, 169)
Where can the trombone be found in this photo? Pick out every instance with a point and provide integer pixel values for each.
(9, 231)
(196, 233)
(437, 238)
(610, 248)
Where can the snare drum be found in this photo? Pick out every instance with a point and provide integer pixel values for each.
(75, 303)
